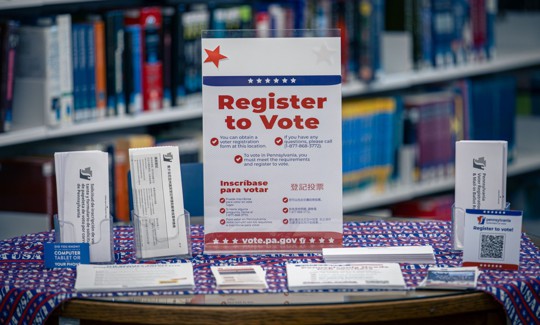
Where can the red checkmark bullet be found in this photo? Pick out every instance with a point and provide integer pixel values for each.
(285, 221)
(214, 141)
(278, 141)
(285, 200)
(222, 221)
(222, 210)
(285, 210)
(238, 159)
(222, 200)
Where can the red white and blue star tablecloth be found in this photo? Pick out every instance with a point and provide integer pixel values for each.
(29, 292)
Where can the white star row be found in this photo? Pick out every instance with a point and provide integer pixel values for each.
(301, 240)
(269, 81)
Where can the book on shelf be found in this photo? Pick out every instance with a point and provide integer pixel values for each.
(166, 48)
(149, 20)
(27, 178)
(191, 20)
(122, 144)
(132, 67)
(99, 71)
(9, 40)
(317, 276)
(65, 46)
(371, 133)
(114, 55)
(37, 72)
(429, 119)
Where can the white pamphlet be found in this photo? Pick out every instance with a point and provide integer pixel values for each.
(158, 205)
(457, 278)
(82, 181)
(240, 277)
(395, 254)
(480, 181)
(306, 276)
(134, 277)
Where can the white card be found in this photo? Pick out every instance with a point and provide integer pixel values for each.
(239, 277)
(492, 239)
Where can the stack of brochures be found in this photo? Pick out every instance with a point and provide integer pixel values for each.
(395, 254)
(134, 277)
(240, 277)
(307, 276)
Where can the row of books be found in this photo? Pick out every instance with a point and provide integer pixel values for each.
(411, 137)
(445, 32)
(31, 172)
(86, 67)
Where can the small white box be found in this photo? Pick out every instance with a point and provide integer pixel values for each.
(480, 180)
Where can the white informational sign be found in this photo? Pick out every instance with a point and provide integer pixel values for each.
(492, 239)
(272, 144)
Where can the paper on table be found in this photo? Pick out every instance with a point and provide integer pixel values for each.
(345, 276)
(134, 277)
(240, 277)
(396, 254)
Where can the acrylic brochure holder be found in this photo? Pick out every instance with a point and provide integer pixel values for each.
(149, 244)
(458, 225)
(65, 232)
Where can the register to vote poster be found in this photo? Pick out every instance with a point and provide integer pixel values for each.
(272, 144)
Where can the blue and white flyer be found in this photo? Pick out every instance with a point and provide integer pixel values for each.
(272, 144)
(492, 239)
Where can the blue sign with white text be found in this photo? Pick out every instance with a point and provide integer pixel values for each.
(66, 255)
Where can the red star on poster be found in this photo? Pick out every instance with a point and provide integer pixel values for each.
(214, 56)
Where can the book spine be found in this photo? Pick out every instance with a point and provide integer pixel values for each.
(166, 45)
(84, 108)
(152, 76)
(66, 67)
(133, 70)
(100, 68)
(9, 41)
(90, 49)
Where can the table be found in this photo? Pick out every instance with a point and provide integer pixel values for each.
(31, 293)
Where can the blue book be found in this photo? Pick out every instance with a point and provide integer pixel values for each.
(90, 70)
(133, 69)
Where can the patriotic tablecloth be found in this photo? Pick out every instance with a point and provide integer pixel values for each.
(29, 292)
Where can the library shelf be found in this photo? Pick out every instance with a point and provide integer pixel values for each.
(527, 159)
(193, 106)
(192, 109)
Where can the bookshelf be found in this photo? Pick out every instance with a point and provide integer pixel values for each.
(512, 55)
(193, 105)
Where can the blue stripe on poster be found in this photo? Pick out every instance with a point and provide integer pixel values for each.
(232, 81)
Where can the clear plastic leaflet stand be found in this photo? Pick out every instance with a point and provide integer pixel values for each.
(64, 232)
(148, 244)
(458, 226)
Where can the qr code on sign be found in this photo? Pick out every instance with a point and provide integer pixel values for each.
(492, 246)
